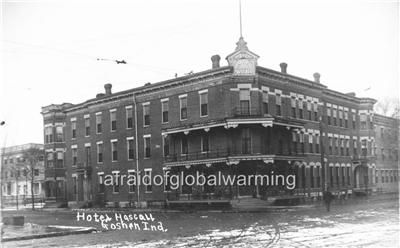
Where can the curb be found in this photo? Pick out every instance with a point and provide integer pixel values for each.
(52, 234)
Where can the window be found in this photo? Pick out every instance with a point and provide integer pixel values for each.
(129, 147)
(278, 100)
(330, 145)
(101, 183)
(301, 140)
(246, 141)
(184, 145)
(59, 134)
(382, 132)
(113, 119)
(131, 176)
(318, 176)
(166, 146)
(147, 180)
(50, 159)
(87, 126)
(74, 184)
(354, 147)
(341, 147)
(244, 97)
(309, 110)
(293, 104)
(328, 113)
(336, 146)
(165, 109)
(265, 101)
(383, 154)
(183, 107)
(364, 147)
(317, 143)
(116, 182)
(114, 150)
(100, 152)
(354, 120)
(310, 143)
(147, 145)
(60, 160)
(74, 156)
(98, 123)
(73, 129)
(347, 147)
(129, 118)
(205, 143)
(88, 155)
(300, 105)
(348, 176)
(146, 114)
(346, 119)
(363, 121)
(334, 112)
(312, 176)
(36, 172)
(315, 111)
(204, 104)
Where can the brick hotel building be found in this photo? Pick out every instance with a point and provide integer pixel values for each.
(236, 119)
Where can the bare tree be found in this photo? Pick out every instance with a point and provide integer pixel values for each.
(32, 157)
(389, 106)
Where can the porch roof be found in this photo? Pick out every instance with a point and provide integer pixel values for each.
(234, 122)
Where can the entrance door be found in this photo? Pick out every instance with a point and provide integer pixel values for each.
(361, 179)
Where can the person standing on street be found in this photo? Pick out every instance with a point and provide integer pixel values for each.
(328, 197)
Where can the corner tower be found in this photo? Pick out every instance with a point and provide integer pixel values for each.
(242, 60)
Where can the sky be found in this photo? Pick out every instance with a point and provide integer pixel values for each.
(50, 49)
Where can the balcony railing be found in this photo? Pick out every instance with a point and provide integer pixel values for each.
(82, 167)
(246, 112)
(221, 153)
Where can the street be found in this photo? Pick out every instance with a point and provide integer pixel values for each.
(356, 223)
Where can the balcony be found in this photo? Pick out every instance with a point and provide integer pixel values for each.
(223, 155)
(82, 168)
(246, 112)
(237, 116)
(363, 159)
(218, 153)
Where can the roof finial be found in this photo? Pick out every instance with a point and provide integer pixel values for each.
(240, 17)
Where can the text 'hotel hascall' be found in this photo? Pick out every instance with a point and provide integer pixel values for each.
(239, 119)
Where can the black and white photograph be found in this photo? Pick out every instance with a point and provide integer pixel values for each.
(199, 123)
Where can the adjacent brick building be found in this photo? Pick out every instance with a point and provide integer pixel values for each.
(236, 119)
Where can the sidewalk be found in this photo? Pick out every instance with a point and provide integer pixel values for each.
(267, 208)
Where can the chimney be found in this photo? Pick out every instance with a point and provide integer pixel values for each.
(108, 87)
(283, 67)
(215, 61)
(317, 76)
(353, 94)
